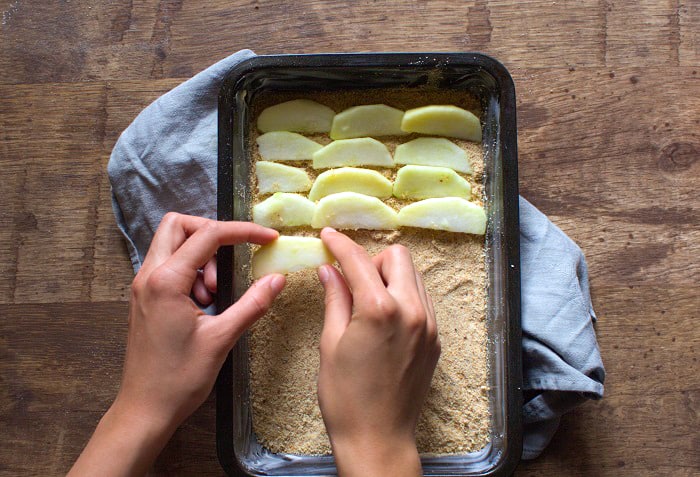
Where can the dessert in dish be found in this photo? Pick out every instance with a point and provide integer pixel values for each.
(369, 175)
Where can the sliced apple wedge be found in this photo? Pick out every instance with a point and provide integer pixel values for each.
(368, 120)
(423, 182)
(448, 213)
(298, 115)
(353, 152)
(273, 177)
(350, 210)
(286, 146)
(290, 254)
(352, 179)
(443, 120)
(433, 151)
(283, 209)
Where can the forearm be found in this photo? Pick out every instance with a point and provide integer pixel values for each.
(375, 459)
(125, 443)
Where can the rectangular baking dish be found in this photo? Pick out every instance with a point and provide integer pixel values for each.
(485, 78)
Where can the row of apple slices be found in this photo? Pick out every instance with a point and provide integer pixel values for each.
(412, 182)
(365, 151)
(351, 210)
(306, 116)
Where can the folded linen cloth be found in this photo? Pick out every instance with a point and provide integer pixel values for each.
(166, 160)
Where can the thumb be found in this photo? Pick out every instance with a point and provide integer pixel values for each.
(251, 306)
(338, 306)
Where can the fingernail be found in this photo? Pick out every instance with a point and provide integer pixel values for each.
(323, 274)
(277, 283)
(329, 229)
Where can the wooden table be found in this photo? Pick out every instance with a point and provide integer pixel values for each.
(609, 123)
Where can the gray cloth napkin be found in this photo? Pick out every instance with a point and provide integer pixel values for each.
(166, 160)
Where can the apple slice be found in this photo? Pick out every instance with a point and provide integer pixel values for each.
(448, 213)
(298, 115)
(290, 254)
(433, 151)
(353, 152)
(369, 120)
(350, 210)
(423, 182)
(283, 209)
(286, 146)
(441, 120)
(362, 181)
(273, 177)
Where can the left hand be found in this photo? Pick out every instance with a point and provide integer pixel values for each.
(174, 351)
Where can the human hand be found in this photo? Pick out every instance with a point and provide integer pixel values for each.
(379, 348)
(174, 351)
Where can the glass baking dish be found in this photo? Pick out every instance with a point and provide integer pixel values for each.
(238, 449)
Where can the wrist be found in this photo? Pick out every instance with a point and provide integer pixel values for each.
(378, 456)
(135, 435)
(148, 421)
(124, 431)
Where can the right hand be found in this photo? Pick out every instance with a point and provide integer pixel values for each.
(379, 348)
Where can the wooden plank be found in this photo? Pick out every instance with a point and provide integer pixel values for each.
(60, 241)
(60, 369)
(44, 42)
(630, 251)
(145, 39)
(688, 20)
(612, 157)
(538, 34)
(644, 33)
(49, 153)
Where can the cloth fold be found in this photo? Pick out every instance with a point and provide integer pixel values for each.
(166, 160)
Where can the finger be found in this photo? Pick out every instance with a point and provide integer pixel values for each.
(360, 272)
(250, 307)
(338, 306)
(200, 292)
(210, 275)
(203, 244)
(396, 267)
(422, 294)
(430, 305)
(172, 232)
(175, 229)
(431, 323)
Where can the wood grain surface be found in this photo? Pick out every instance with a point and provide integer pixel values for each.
(609, 140)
